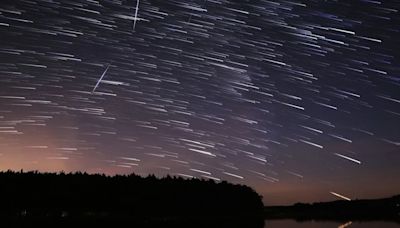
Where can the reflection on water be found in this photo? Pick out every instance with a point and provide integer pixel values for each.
(344, 225)
(328, 224)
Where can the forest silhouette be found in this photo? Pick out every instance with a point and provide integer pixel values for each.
(82, 196)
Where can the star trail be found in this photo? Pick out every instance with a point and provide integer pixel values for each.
(298, 99)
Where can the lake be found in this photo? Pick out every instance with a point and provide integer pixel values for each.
(328, 224)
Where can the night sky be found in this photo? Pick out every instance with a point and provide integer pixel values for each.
(298, 99)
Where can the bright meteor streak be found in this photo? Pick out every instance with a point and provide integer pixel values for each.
(136, 13)
(348, 158)
(340, 196)
(101, 78)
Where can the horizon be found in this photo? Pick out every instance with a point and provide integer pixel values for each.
(298, 100)
(265, 199)
(36, 172)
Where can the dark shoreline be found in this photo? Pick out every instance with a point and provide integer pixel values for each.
(387, 209)
(94, 221)
(80, 198)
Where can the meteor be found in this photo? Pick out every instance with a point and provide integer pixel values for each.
(348, 158)
(101, 78)
(340, 196)
(136, 13)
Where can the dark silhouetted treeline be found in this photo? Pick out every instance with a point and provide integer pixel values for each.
(362, 210)
(123, 197)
